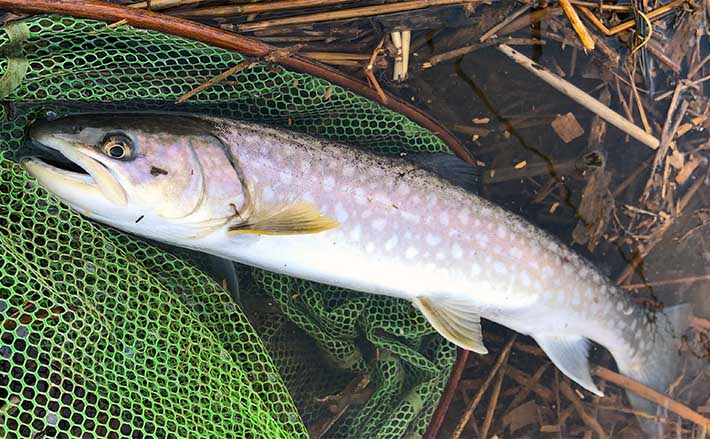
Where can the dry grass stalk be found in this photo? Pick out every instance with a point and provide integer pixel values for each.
(255, 8)
(493, 403)
(581, 97)
(502, 358)
(653, 396)
(509, 19)
(588, 419)
(531, 383)
(461, 51)
(577, 25)
(157, 5)
(529, 19)
(370, 73)
(658, 283)
(652, 15)
(602, 6)
(217, 79)
(364, 11)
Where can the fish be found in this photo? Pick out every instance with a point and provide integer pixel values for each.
(319, 210)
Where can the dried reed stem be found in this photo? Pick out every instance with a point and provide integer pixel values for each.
(365, 11)
(254, 8)
(581, 97)
(479, 395)
(653, 396)
(577, 25)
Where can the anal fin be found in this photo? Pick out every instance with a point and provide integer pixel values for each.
(454, 322)
(569, 353)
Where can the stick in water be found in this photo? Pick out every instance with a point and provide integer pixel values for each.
(581, 97)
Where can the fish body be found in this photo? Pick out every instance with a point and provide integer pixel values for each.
(322, 211)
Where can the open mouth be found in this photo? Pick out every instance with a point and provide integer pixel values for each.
(66, 170)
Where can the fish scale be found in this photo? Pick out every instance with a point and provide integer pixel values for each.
(302, 206)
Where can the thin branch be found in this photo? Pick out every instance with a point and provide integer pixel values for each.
(482, 390)
(581, 97)
(653, 396)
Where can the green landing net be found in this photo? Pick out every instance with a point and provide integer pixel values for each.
(105, 335)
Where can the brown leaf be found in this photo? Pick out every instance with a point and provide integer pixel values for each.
(521, 416)
(567, 127)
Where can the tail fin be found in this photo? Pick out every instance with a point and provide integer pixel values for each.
(660, 367)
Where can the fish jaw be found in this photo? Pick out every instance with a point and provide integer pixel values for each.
(74, 187)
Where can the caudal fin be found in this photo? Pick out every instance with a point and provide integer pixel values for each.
(660, 366)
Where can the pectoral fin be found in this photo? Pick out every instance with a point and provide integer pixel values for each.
(569, 354)
(451, 318)
(294, 219)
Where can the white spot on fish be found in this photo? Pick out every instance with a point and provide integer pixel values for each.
(340, 213)
(365, 214)
(525, 278)
(348, 170)
(463, 217)
(328, 183)
(475, 269)
(379, 224)
(501, 232)
(360, 197)
(444, 219)
(500, 268)
(370, 247)
(411, 252)
(482, 238)
(456, 251)
(476, 223)
(412, 218)
(439, 256)
(408, 235)
(403, 189)
(516, 253)
(546, 271)
(391, 243)
(382, 199)
(285, 177)
(355, 233)
(575, 299)
(308, 197)
(267, 194)
(305, 166)
(432, 240)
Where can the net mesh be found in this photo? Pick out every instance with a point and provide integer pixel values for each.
(105, 335)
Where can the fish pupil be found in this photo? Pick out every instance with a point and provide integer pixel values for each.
(116, 151)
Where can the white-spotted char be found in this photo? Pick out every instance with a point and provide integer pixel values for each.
(322, 211)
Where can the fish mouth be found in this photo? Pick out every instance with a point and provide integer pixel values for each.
(71, 170)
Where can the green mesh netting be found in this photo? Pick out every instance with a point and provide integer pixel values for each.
(105, 335)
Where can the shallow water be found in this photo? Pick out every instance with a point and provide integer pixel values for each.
(485, 85)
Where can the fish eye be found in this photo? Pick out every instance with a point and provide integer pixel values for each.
(117, 146)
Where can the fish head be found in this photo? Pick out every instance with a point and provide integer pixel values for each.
(128, 166)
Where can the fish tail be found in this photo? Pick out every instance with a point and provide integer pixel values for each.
(657, 365)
